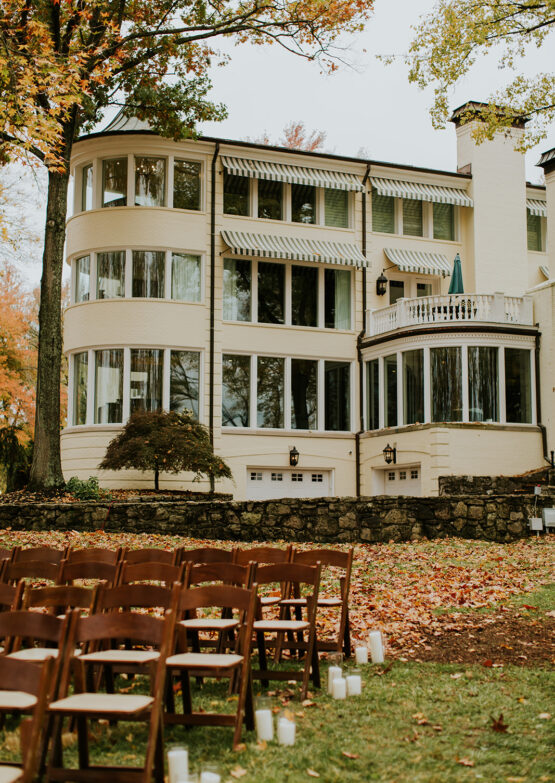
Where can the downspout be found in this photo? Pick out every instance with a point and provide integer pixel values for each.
(542, 427)
(212, 302)
(359, 339)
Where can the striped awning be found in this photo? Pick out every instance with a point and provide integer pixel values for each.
(419, 261)
(537, 206)
(417, 190)
(299, 175)
(293, 248)
(545, 271)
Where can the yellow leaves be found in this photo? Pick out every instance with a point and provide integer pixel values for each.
(238, 772)
(465, 762)
(312, 773)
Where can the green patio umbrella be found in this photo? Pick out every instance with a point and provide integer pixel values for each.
(456, 286)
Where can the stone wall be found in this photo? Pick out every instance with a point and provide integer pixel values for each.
(326, 520)
(496, 485)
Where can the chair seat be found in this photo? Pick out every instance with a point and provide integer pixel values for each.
(10, 774)
(102, 704)
(209, 624)
(280, 625)
(17, 700)
(38, 653)
(121, 656)
(302, 602)
(204, 660)
(270, 600)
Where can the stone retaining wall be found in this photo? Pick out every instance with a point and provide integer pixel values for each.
(326, 520)
(495, 485)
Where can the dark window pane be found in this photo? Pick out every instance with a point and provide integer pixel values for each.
(270, 199)
(82, 279)
(337, 298)
(109, 386)
(269, 391)
(518, 388)
(390, 390)
(444, 221)
(237, 290)
(413, 387)
(271, 293)
(236, 374)
(336, 207)
(373, 394)
(412, 217)
(150, 182)
(446, 384)
(146, 379)
(148, 274)
(423, 289)
(80, 375)
(534, 226)
(114, 182)
(304, 296)
(186, 184)
(303, 204)
(87, 187)
(396, 290)
(304, 394)
(236, 194)
(110, 272)
(383, 213)
(337, 396)
(483, 386)
(184, 381)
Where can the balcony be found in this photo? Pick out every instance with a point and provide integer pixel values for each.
(451, 309)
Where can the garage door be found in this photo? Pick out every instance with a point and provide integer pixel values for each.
(264, 484)
(403, 481)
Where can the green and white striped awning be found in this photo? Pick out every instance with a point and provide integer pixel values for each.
(537, 206)
(299, 175)
(418, 261)
(417, 190)
(265, 246)
(545, 271)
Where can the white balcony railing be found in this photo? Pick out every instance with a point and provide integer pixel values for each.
(453, 308)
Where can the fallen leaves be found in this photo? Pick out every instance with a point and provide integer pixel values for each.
(498, 724)
(312, 773)
(349, 755)
(465, 762)
(238, 772)
(544, 715)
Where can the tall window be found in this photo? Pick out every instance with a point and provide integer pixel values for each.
(383, 213)
(534, 226)
(148, 274)
(114, 182)
(337, 298)
(270, 391)
(236, 194)
(80, 374)
(423, 289)
(87, 187)
(303, 203)
(336, 204)
(186, 277)
(446, 384)
(373, 394)
(237, 289)
(110, 274)
(412, 217)
(146, 379)
(236, 373)
(396, 290)
(184, 381)
(413, 387)
(337, 393)
(390, 390)
(150, 182)
(108, 393)
(271, 293)
(82, 279)
(483, 383)
(270, 199)
(304, 394)
(518, 386)
(186, 184)
(444, 221)
(304, 296)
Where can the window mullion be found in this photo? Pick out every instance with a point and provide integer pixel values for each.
(166, 379)
(254, 291)
(254, 196)
(93, 277)
(400, 411)
(170, 181)
(288, 295)
(381, 393)
(168, 275)
(427, 386)
(502, 393)
(321, 396)
(128, 279)
(253, 419)
(464, 380)
(287, 393)
(130, 180)
(321, 297)
(533, 388)
(286, 195)
(126, 383)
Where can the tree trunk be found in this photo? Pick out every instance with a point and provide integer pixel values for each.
(46, 469)
(156, 479)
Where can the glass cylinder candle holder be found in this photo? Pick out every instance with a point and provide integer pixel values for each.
(286, 728)
(264, 719)
(335, 668)
(361, 653)
(354, 682)
(178, 764)
(376, 643)
(210, 773)
(339, 688)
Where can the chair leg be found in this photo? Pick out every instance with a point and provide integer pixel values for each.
(262, 656)
(249, 705)
(186, 692)
(83, 742)
(158, 755)
(347, 638)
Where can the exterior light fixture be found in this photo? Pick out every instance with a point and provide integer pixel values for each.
(381, 285)
(390, 455)
(293, 457)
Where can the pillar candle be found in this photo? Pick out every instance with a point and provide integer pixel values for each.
(264, 725)
(361, 654)
(376, 646)
(333, 672)
(286, 731)
(354, 685)
(178, 765)
(209, 777)
(339, 688)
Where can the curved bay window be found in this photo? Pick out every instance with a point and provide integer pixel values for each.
(446, 383)
(109, 386)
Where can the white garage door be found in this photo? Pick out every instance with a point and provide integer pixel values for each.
(403, 481)
(264, 484)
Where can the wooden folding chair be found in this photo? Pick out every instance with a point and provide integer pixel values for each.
(235, 666)
(47, 553)
(151, 572)
(24, 689)
(88, 570)
(331, 558)
(151, 555)
(295, 576)
(6, 553)
(94, 555)
(36, 570)
(265, 555)
(33, 636)
(59, 599)
(11, 596)
(125, 597)
(202, 555)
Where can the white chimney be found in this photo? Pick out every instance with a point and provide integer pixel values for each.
(547, 162)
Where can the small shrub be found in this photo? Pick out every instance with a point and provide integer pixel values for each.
(86, 490)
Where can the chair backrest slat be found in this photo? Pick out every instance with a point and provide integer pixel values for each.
(263, 554)
(150, 555)
(128, 626)
(37, 553)
(60, 597)
(226, 573)
(224, 596)
(96, 570)
(206, 555)
(139, 596)
(94, 555)
(11, 596)
(151, 572)
(32, 569)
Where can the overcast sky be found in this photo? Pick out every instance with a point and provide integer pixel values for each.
(368, 109)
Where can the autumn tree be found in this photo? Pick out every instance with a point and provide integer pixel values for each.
(456, 33)
(63, 62)
(164, 442)
(295, 136)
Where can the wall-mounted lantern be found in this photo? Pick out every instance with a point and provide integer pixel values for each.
(390, 455)
(381, 285)
(293, 457)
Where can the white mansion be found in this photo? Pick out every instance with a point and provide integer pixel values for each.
(298, 304)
